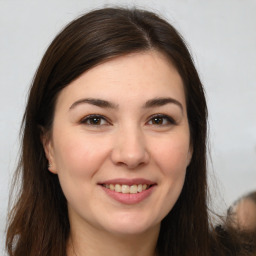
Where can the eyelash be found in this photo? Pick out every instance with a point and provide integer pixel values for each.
(94, 117)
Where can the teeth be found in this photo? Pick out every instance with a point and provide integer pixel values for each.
(126, 189)
(133, 189)
(118, 188)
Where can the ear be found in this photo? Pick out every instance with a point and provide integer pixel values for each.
(49, 151)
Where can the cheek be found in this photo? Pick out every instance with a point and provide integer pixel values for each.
(77, 161)
(171, 159)
(172, 162)
(172, 156)
(79, 156)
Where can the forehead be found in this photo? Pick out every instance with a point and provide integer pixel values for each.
(135, 77)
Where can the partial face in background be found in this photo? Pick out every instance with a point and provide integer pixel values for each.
(244, 214)
(120, 144)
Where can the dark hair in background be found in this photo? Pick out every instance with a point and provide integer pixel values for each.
(38, 223)
(251, 196)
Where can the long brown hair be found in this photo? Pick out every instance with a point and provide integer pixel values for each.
(38, 222)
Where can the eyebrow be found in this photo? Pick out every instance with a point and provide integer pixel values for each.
(156, 102)
(96, 102)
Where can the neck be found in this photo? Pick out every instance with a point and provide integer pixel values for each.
(97, 243)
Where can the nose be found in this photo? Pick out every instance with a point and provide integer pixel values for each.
(130, 149)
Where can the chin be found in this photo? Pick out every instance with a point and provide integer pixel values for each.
(132, 226)
(130, 231)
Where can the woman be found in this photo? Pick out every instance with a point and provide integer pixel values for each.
(114, 144)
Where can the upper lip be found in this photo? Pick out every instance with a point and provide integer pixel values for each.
(129, 182)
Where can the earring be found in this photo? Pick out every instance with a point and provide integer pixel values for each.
(49, 166)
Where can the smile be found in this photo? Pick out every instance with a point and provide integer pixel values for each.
(127, 189)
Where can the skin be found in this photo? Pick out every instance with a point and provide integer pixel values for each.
(245, 214)
(126, 143)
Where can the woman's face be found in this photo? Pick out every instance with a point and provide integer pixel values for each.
(120, 144)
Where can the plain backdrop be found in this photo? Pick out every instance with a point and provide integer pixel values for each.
(221, 36)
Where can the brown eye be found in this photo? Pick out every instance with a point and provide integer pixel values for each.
(94, 120)
(159, 120)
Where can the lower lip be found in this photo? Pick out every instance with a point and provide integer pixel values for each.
(129, 198)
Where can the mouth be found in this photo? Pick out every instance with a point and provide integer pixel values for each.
(127, 189)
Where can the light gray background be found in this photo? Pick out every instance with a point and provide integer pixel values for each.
(222, 37)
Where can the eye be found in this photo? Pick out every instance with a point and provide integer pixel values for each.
(94, 120)
(160, 119)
